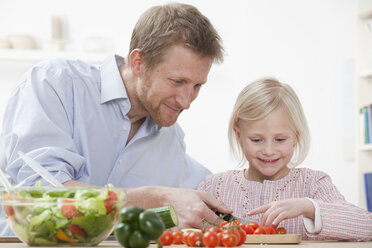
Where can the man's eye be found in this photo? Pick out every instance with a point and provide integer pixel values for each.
(198, 85)
(177, 81)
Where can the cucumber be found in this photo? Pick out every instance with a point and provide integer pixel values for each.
(167, 214)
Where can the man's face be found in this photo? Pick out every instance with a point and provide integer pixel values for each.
(173, 84)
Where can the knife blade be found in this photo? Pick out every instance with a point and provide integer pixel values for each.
(230, 218)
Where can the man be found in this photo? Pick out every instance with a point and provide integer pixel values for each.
(117, 123)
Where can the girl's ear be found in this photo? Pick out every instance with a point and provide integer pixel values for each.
(237, 134)
(136, 62)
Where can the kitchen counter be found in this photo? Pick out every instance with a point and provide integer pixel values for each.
(306, 244)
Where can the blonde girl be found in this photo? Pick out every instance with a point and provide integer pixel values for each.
(268, 132)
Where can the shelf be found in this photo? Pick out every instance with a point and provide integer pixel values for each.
(38, 55)
(365, 75)
(365, 14)
(367, 147)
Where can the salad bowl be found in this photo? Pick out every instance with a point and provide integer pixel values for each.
(62, 216)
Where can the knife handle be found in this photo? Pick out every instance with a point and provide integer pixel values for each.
(227, 217)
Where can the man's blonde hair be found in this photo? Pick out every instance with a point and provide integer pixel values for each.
(163, 26)
(260, 98)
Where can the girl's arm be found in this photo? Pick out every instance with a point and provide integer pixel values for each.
(341, 220)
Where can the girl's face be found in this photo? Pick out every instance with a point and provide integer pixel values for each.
(268, 145)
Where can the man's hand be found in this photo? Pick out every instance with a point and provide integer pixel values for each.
(277, 211)
(191, 205)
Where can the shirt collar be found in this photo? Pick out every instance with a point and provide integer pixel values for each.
(112, 86)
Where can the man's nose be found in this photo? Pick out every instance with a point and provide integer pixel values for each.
(185, 97)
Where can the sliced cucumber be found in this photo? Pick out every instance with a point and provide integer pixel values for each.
(167, 214)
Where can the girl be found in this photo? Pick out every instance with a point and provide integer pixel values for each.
(268, 129)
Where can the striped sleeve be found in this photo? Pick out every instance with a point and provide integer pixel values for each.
(341, 220)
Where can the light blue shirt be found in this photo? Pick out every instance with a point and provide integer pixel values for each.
(72, 118)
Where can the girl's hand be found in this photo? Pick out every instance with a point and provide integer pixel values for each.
(277, 211)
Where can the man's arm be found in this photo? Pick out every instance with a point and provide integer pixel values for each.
(191, 205)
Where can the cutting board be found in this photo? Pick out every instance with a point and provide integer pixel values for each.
(273, 239)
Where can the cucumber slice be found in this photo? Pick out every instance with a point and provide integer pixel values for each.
(167, 214)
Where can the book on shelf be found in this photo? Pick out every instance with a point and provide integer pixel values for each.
(368, 184)
(365, 115)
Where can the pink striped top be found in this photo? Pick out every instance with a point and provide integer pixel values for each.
(341, 220)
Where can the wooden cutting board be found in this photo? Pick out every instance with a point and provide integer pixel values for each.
(273, 239)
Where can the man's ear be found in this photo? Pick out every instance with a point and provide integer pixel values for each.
(136, 62)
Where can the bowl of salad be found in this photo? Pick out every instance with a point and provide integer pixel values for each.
(63, 216)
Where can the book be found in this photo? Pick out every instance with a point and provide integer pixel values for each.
(368, 185)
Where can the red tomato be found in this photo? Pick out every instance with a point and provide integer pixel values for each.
(166, 238)
(185, 235)
(243, 236)
(229, 240)
(77, 230)
(235, 222)
(224, 223)
(9, 210)
(215, 229)
(220, 237)
(211, 239)
(177, 238)
(247, 228)
(254, 225)
(260, 230)
(69, 211)
(281, 230)
(195, 239)
(109, 202)
(269, 230)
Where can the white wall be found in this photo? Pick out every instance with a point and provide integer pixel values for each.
(306, 43)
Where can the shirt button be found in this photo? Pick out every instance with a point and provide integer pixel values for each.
(125, 104)
(120, 160)
(124, 128)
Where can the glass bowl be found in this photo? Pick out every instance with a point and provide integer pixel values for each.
(66, 216)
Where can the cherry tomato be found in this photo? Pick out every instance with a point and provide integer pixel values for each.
(211, 239)
(281, 230)
(224, 223)
(260, 230)
(166, 238)
(247, 228)
(215, 229)
(269, 230)
(195, 239)
(109, 202)
(235, 222)
(69, 211)
(243, 236)
(185, 236)
(177, 238)
(255, 225)
(9, 210)
(220, 237)
(77, 230)
(229, 240)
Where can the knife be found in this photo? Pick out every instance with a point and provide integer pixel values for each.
(230, 218)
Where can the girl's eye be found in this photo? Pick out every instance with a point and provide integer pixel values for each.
(256, 140)
(280, 139)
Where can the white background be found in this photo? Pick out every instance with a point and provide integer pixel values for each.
(308, 44)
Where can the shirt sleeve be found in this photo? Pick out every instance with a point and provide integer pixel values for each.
(341, 220)
(313, 226)
(39, 121)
